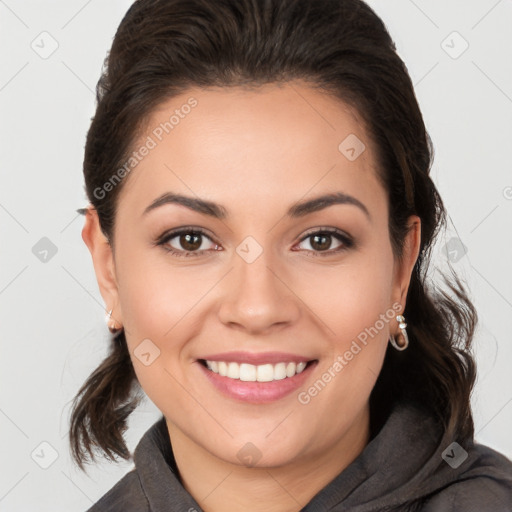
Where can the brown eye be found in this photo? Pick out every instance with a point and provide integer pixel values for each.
(322, 241)
(187, 242)
(190, 242)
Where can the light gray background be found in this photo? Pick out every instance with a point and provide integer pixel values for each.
(52, 319)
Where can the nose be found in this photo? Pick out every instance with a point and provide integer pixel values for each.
(258, 297)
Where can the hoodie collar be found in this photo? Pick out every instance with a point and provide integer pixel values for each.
(400, 464)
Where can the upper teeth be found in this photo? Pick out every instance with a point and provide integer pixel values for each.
(261, 373)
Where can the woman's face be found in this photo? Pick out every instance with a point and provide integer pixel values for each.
(227, 260)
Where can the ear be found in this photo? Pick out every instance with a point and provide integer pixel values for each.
(103, 261)
(403, 269)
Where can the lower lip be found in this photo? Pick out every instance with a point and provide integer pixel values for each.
(257, 392)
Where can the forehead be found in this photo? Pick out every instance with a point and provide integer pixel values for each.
(265, 145)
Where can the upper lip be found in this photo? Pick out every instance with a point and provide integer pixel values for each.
(257, 358)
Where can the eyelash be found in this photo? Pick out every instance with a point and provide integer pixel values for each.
(163, 240)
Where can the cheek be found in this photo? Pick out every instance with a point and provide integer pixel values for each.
(348, 298)
(156, 296)
(352, 303)
(156, 306)
(160, 303)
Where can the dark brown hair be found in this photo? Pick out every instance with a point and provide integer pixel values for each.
(341, 47)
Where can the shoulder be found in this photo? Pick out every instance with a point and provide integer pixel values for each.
(481, 494)
(126, 496)
(484, 486)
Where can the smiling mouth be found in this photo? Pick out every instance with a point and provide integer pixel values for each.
(256, 373)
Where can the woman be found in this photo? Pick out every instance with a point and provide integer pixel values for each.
(260, 224)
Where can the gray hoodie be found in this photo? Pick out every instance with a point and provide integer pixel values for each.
(407, 466)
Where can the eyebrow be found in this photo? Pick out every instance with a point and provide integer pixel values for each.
(217, 211)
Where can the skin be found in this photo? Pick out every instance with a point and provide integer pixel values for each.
(255, 152)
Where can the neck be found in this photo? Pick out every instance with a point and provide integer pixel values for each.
(213, 482)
